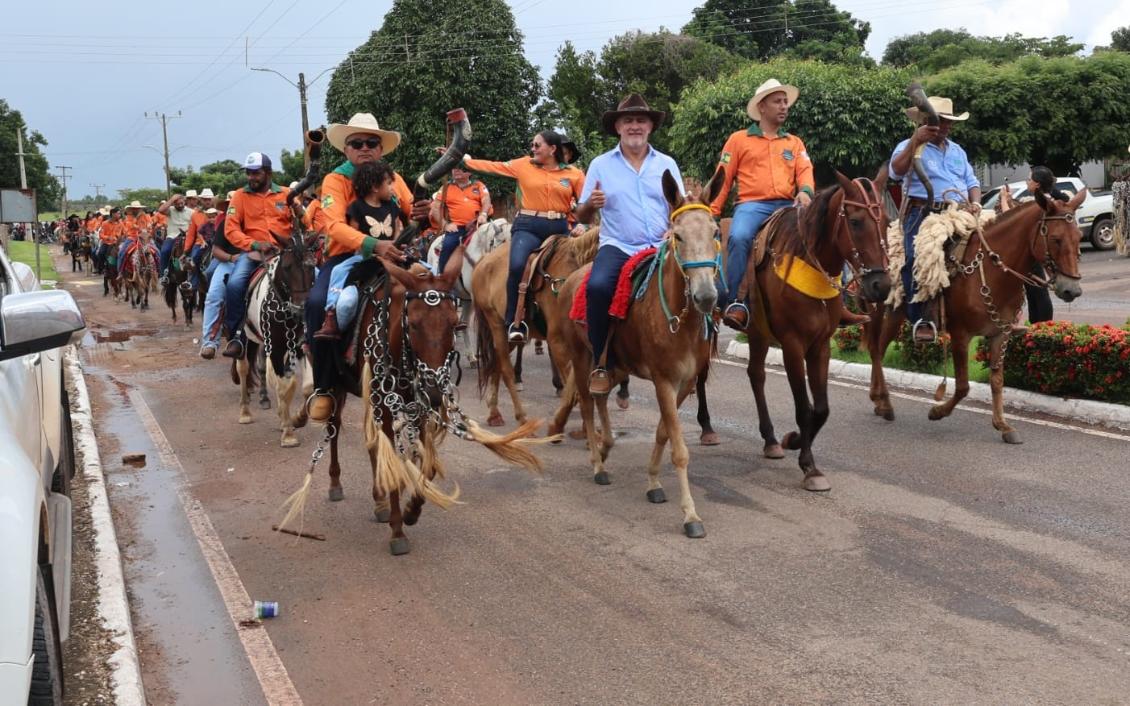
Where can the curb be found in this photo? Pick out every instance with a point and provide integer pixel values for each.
(113, 603)
(1115, 416)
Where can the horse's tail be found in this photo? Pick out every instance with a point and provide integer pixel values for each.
(484, 349)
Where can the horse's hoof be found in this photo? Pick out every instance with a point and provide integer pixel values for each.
(817, 482)
(411, 518)
(245, 419)
(936, 413)
(791, 441)
(519, 386)
(552, 431)
(889, 415)
(694, 530)
(382, 514)
(578, 434)
(264, 404)
(289, 442)
(399, 546)
(495, 420)
(473, 364)
(623, 402)
(773, 451)
(337, 493)
(1011, 437)
(709, 438)
(656, 495)
(602, 478)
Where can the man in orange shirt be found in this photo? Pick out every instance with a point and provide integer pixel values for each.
(257, 215)
(109, 234)
(772, 170)
(461, 203)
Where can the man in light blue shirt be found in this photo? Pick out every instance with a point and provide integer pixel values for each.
(626, 185)
(951, 176)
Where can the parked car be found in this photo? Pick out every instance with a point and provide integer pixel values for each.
(36, 467)
(1095, 217)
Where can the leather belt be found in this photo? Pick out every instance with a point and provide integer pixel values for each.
(936, 207)
(551, 215)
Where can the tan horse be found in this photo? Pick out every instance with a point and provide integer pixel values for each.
(488, 286)
(139, 274)
(670, 350)
(986, 294)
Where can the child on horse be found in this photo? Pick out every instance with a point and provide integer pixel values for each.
(375, 211)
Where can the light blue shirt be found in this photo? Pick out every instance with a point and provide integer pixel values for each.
(636, 215)
(947, 167)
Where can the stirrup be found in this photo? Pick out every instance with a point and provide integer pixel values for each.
(518, 333)
(923, 324)
(731, 315)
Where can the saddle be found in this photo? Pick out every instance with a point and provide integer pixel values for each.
(630, 286)
(534, 276)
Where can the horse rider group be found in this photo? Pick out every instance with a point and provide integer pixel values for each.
(112, 225)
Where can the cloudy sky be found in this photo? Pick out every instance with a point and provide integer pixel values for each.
(84, 74)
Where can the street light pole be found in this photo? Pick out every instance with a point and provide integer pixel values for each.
(165, 134)
(301, 86)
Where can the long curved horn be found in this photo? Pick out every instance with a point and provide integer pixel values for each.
(427, 182)
(314, 140)
(918, 98)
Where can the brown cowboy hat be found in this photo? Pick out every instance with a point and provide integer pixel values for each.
(632, 105)
(569, 144)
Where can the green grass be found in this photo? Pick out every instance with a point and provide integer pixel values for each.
(23, 251)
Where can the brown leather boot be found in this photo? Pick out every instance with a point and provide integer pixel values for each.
(329, 330)
(600, 383)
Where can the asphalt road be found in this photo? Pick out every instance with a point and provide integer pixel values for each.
(944, 566)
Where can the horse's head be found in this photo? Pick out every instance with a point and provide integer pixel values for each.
(428, 320)
(294, 273)
(861, 229)
(696, 240)
(1056, 243)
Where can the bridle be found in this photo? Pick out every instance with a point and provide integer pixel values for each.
(872, 203)
(669, 247)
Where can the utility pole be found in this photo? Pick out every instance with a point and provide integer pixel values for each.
(97, 191)
(23, 172)
(301, 86)
(64, 176)
(165, 134)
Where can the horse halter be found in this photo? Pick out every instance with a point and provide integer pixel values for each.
(1049, 261)
(873, 203)
(685, 265)
(674, 321)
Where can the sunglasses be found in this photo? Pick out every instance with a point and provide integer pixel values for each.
(371, 143)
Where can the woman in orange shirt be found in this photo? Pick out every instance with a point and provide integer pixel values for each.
(549, 186)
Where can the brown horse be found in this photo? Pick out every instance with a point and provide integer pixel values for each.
(178, 282)
(110, 266)
(139, 273)
(405, 372)
(654, 342)
(488, 286)
(986, 294)
(843, 224)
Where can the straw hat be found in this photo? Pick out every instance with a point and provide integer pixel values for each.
(190, 194)
(207, 194)
(769, 87)
(210, 211)
(362, 123)
(135, 204)
(942, 106)
(634, 104)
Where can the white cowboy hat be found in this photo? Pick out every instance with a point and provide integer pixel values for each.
(770, 86)
(135, 204)
(292, 185)
(210, 211)
(104, 211)
(363, 123)
(942, 106)
(207, 194)
(190, 194)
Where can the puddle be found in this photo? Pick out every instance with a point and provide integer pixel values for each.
(94, 337)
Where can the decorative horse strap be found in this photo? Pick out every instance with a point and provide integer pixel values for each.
(873, 203)
(276, 311)
(670, 247)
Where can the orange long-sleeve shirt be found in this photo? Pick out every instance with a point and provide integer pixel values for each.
(256, 217)
(198, 219)
(111, 231)
(337, 194)
(767, 167)
(311, 213)
(133, 225)
(552, 189)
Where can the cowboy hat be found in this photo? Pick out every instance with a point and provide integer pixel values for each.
(191, 194)
(569, 144)
(135, 204)
(942, 106)
(632, 105)
(362, 123)
(211, 211)
(207, 194)
(752, 108)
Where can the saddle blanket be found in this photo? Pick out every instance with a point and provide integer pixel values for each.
(929, 271)
(626, 287)
(806, 279)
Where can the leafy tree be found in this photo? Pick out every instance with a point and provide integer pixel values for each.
(147, 197)
(1057, 112)
(761, 29)
(48, 189)
(849, 118)
(577, 98)
(411, 72)
(940, 49)
(1120, 39)
(220, 177)
(292, 168)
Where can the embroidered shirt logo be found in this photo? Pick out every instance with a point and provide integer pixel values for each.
(327, 201)
(564, 182)
(725, 159)
(788, 155)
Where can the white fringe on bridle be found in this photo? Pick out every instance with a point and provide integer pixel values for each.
(929, 251)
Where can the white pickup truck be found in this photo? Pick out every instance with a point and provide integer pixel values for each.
(36, 466)
(1095, 217)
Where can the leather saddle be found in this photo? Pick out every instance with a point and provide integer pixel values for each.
(534, 275)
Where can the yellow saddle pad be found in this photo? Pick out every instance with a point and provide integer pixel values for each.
(805, 278)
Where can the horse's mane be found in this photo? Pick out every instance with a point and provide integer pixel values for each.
(798, 229)
(1011, 214)
(585, 245)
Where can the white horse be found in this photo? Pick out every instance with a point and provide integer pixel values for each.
(486, 237)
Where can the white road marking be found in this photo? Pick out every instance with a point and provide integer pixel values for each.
(976, 410)
(273, 678)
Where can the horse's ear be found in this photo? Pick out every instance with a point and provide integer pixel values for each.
(1078, 199)
(398, 273)
(454, 267)
(714, 186)
(844, 182)
(671, 190)
(880, 180)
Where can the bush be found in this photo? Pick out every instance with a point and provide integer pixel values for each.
(848, 338)
(1069, 360)
(922, 357)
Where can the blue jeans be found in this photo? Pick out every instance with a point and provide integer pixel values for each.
(166, 253)
(914, 217)
(450, 242)
(235, 294)
(526, 235)
(749, 216)
(195, 255)
(210, 336)
(322, 352)
(601, 288)
(338, 275)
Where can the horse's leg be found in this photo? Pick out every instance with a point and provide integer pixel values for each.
(336, 492)
(959, 348)
(564, 407)
(707, 437)
(622, 395)
(655, 492)
(665, 395)
(502, 353)
(285, 387)
(755, 370)
(886, 329)
(261, 364)
(518, 369)
(307, 386)
(794, 369)
(555, 373)
(244, 369)
(606, 439)
(817, 365)
(996, 384)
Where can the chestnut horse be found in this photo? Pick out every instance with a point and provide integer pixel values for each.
(653, 342)
(985, 295)
(138, 272)
(843, 224)
(179, 281)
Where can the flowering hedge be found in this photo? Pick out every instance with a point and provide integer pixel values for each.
(1069, 360)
